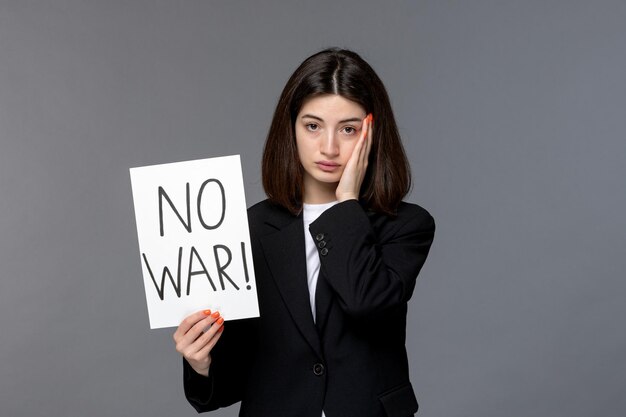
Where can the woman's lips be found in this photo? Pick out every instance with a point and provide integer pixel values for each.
(327, 166)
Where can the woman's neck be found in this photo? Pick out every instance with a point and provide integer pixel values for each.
(319, 193)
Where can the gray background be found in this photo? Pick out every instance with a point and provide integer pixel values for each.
(513, 118)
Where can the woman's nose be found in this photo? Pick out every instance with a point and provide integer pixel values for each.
(329, 145)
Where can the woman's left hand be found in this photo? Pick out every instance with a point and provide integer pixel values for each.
(350, 183)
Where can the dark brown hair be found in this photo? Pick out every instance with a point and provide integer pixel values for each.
(342, 72)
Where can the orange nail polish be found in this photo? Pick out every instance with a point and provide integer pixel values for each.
(371, 117)
(215, 315)
(207, 312)
(221, 329)
(220, 320)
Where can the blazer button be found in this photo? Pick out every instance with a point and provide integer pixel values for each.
(324, 251)
(319, 237)
(321, 244)
(318, 369)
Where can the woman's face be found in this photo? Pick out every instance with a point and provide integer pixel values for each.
(327, 129)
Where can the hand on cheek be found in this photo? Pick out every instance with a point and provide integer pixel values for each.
(354, 172)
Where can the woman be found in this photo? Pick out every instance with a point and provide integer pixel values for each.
(336, 255)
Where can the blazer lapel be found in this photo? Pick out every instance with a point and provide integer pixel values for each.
(323, 300)
(285, 254)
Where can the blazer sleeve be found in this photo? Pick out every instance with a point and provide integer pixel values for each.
(228, 372)
(372, 268)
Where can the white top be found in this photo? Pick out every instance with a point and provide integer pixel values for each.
(310, 212)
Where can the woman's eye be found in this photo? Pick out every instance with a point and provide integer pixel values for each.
(349, 130)
(312, 127)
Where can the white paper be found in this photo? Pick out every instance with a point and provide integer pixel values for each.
(205, 247)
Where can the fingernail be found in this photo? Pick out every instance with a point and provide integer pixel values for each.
(215, 315)
(220, 320)
(207, 312)
(371, 117)
(221, 329)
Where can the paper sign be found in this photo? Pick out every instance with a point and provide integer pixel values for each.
(194, 240)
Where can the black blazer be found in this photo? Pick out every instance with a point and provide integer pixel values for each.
(352, 361)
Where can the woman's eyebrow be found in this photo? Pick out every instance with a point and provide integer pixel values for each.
(310, 116)
(352, 119)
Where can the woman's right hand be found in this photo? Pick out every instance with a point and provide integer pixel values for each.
(196, 335)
